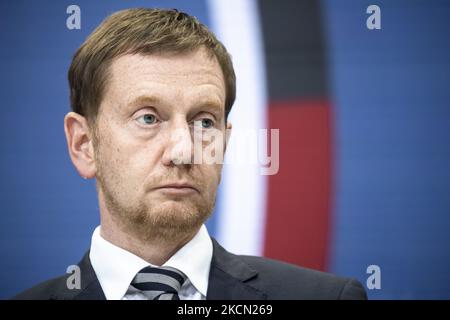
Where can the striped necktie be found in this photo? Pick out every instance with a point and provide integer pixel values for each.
(162, 283)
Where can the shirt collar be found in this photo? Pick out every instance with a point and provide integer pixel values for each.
(115, 267)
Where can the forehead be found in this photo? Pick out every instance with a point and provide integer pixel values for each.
(170, 76)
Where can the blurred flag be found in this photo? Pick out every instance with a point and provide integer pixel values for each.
(278, 52)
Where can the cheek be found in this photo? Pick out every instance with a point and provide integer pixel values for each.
(211, 176)
(125, 173)
(119, 160)
(125, 160)
(134, 163)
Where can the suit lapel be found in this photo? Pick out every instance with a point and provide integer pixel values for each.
(90, 287)
(228, 277)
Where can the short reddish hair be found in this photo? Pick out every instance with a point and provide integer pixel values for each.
(143, 31)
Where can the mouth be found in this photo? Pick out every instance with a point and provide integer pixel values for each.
(177, 188)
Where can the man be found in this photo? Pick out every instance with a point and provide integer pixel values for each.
(144, 86)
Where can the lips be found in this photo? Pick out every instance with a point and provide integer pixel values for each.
(177, 187)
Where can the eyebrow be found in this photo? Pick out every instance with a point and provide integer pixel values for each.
(143, 100)
(206, 104)
(209, 103)
(151, 100)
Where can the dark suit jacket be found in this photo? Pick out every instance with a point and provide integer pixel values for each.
(231, 277)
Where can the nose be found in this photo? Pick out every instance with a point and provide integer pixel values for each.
(178, 143)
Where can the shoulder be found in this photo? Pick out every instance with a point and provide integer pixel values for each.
(274, 280)
(286, 281)
(61, 288)
(48, 290)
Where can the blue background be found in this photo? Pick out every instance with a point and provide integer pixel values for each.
(392, 131)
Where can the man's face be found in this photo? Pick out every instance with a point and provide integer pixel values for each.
(149, 108)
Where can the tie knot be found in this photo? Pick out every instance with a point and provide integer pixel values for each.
(159, 283)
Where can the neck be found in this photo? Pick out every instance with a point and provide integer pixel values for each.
(155, 251)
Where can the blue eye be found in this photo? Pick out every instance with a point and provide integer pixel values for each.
(207, 123)
(147, 118)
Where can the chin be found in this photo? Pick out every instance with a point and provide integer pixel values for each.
(170, 222)
(177, 213)
(175, 206)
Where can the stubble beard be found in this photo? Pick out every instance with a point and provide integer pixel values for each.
(166, 222)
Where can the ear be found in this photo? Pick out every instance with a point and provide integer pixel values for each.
(227, 135)
(79, 143)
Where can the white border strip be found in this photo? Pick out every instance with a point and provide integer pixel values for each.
(241, 219)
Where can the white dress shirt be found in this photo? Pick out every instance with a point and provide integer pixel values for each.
(115, 267)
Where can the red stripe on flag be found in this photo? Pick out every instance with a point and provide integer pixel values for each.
(298, 207)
